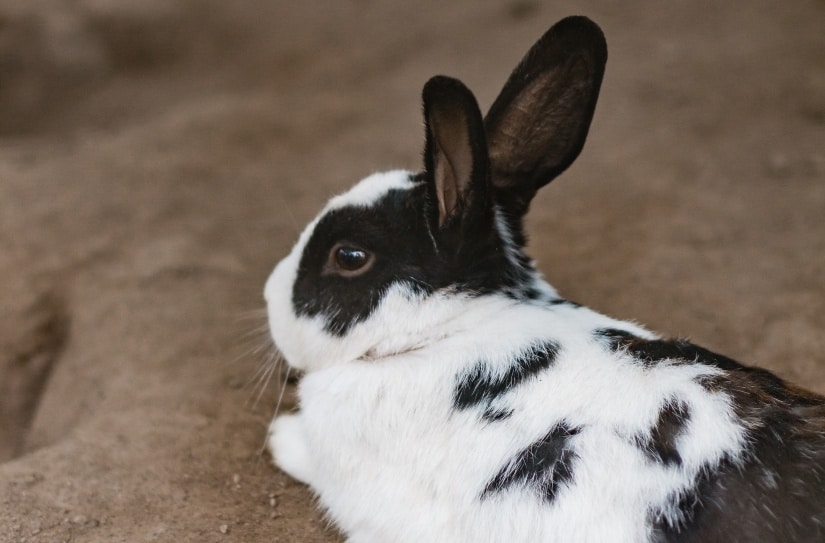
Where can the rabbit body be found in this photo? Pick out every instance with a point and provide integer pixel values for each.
(451, 395)
(391, 443)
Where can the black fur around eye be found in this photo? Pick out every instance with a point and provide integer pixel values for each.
(349, 260)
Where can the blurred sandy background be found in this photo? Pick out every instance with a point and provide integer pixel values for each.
(158, 157)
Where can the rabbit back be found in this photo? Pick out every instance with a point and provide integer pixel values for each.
(573, 437)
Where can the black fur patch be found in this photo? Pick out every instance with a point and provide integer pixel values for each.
(653, 352)
(562, 301)
(494, 415)
(757, 381)
(681, 521)
(660, 446)
(395, 230)
(532, 294)
(544, 466)
(656, 351)
(616, 338)
(775, 494)
(479, 387)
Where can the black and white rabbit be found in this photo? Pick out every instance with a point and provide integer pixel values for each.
(451, 395)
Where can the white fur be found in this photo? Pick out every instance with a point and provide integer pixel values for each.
(391, 459)
(370, 189)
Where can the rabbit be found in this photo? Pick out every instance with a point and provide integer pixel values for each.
(450, 394)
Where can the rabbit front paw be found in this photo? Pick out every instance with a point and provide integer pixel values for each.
(288, 446)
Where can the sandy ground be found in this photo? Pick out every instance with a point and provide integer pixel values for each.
(158, 157)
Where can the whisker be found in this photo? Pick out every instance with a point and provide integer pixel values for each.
(256, 349)
(277, 409)
(252, 341)
(283, 390)
(266, 377)
(256, 343)
(258, 346)
(251, 314)
(258, 331)
(297, 227)
(256, 377)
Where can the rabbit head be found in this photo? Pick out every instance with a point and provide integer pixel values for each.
(386, 266)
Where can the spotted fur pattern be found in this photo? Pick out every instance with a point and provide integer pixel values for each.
(451, 395)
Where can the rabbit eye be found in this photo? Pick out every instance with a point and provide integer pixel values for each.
(348, 260)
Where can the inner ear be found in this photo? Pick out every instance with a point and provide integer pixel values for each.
(452, 161)
(538, 124)
(455, 154)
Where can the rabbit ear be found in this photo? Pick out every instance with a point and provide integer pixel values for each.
(537, 125)
(455, 155)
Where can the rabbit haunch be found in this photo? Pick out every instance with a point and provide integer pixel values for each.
(451, 395)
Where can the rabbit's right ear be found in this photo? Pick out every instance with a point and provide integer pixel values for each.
(537, 125)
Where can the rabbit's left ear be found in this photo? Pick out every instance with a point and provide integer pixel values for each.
(456, 164)
(537, 125)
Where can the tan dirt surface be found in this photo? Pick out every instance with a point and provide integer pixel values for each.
(158, 157)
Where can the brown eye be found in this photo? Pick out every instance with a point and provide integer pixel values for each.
(350, 260)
